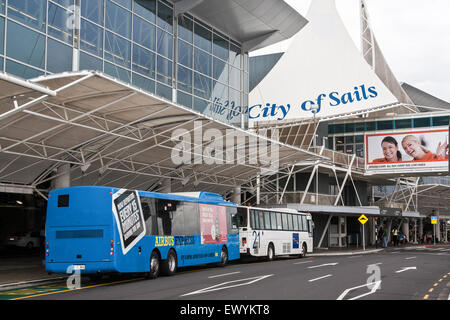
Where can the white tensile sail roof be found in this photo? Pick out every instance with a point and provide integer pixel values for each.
(374, 57)
(321, 68)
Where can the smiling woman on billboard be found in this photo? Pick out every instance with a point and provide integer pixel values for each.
(414, 148)
(390, 151)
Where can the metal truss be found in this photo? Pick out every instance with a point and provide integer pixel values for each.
(110, 148)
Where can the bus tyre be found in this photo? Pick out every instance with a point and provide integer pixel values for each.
(169, 266)
(270, 252)
(223, 257)
(303, 253)
(154, 266)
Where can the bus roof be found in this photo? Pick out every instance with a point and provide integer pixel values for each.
(198, 197)
(285, 210)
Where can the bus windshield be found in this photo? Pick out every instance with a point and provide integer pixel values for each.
(242, 217)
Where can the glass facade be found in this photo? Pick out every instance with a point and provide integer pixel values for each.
(137, 41)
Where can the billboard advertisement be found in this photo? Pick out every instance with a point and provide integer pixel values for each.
(407, 151)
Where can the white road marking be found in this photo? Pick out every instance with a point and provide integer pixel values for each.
(409, 258)
(223, 275)
(303, 262)
(328, 275)
(323, 265)
(406, 269)
(228, 284)
(375, 264)
(375, 287)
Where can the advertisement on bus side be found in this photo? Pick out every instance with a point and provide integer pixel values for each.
(129, 218)
(213, 224)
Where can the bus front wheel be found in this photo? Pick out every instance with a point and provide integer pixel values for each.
(304, 250)
(154, 265)
(169, 266)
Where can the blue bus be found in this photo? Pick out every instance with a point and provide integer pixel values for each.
(99, 230)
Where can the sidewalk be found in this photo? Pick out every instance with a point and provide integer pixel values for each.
(24, 271)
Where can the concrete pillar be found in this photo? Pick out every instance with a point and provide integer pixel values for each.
(258, 190)
(416, 234)
(405, 229)
(438, 227)
(373, 231)
(420, 231)
(389, 228)
(446, 231)
(62, 179)
(237, 195)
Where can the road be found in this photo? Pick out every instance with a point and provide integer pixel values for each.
(415, 273)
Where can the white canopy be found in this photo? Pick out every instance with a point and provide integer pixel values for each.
(323, 69)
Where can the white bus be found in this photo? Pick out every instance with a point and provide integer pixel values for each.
(274, 232)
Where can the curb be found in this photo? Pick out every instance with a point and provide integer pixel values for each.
(23, 284)
(349, 253)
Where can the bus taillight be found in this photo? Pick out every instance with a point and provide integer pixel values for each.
(112, 248)
(46, 249)
(244, 241)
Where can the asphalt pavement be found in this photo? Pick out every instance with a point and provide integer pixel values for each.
(336, 270)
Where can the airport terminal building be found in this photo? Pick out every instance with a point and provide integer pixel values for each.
(93, 90)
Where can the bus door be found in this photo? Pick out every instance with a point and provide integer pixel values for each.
(310, 234)
(242, 220)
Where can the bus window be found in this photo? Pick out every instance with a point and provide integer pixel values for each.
(261, 219)
(254, 219)
(305, 225)
(273, 220)
(295, 222)
(267, 220)
(285, 221)
(165, 212)
(279, 224)
(149, 211)
(232, 220)
(241, 217)
(177, 219)
(300, 225)
(290, 224)
(191, 218)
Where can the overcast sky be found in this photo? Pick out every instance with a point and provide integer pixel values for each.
(414, 36)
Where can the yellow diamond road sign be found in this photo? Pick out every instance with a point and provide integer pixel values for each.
(363, 219)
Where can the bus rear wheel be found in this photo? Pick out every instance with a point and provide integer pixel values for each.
(270, 252)
(169, 266)
(154, 266)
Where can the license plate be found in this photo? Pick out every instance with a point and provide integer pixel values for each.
(79, 267)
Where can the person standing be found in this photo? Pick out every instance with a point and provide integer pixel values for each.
(380, 235)
(385, 237)
(395, 236)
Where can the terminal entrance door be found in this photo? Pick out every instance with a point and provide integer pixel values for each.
(338, 232)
